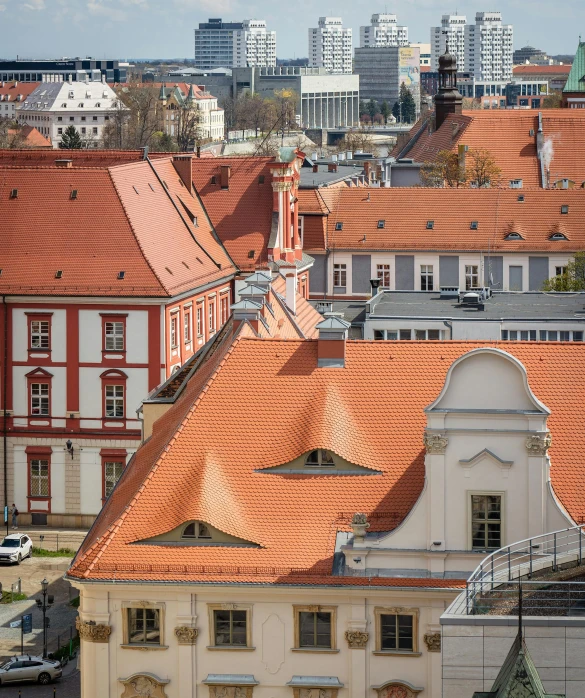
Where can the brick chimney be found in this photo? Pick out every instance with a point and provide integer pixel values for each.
(184, 166)
(225, 176)
(63, 163)
(331, 343)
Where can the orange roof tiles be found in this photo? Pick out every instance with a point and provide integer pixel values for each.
(406, 212)
(84, 157)
(541, 69)
(261, 403)
(34, 138)
(242, 214)
(121, 220)
(11, 90)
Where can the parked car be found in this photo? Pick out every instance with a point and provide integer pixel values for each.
(15, 548)
(29, 668)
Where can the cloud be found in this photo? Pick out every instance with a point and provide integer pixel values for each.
(35, 5)
(2, 8)
(218, 6)
(101, 9)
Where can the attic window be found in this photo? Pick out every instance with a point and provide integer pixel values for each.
(251, 254)
(558, 236)
(98, 104)
(513, 236)
(320, 458)
(121, 275)
(74, 193)
(339, 226)
(430, 225)
(521, 198)
(516, 184)
(64, 105)
(565, 208)
(474, 225)
(58, 273)
(213, 180)
(81, 104)
(196, 530)
(71, 95)
(260, 179)
(14, 194)
(381, 223)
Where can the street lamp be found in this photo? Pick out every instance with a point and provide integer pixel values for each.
(44, 605)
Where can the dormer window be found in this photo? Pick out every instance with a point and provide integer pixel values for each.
(71, 95)
(513, 236)
(320, 458)
(558, 236)
(196, 530)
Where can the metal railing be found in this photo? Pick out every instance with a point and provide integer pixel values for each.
(503, 569)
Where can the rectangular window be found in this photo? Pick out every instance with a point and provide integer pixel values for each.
(212, 316)
(578, 336)
(426, 277)
(383, 273)
(301, 228)
(39, 477)
(339, 274)
(143, 626)
(39, 399)
(379, 334)
(114, 335)
(486, 521)
(112, 472)
(315, 627)
(187, 326)
(230, 628)
(200, 320)
(224, 308)
(94, 130)
(564, 336)
(559, 271)
(471, 277)
(40, 334)
(396, 632)
(405, 334)
(114, 401)
(174, 322)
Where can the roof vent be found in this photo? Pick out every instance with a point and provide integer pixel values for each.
(121, 275)
(565, 208)
(14, 193)
(186, 265)
(339, 226)
(472, 300)
(474, 225)
(381, 223)
(74, 193)
(513, 236)
(430, 225)
(531, 133)
(58, 273)
(449, 292)
(170, 272)
(331, 344)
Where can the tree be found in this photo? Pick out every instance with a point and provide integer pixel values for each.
(372, 108)
(408, 104)
(163, 142)
(10, 134)
(362, 108)
(137, 115)
(444, 171)
(71, 140)
(385, 111)
(552, 101)
(397, 112)
(286, 110)
(357, 140)
(481, 168)
(573, 278)
(189, 127)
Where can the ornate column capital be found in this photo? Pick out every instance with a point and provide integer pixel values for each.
(281, 186)
(538, 444)
(186, 635)
(357, 639)
(433, 642)
(435, 443)
(92, 631)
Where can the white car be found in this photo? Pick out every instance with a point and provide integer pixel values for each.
(15, 548)
(28, 668)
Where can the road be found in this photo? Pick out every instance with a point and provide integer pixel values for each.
(66, 687)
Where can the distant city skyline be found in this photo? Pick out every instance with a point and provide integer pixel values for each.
(142, 29)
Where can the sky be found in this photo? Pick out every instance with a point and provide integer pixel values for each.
(153, 29)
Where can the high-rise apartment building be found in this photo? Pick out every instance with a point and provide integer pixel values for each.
(383, 31)
(244, 44)
(451, 31)
(330, 46)
(483, 49)
(488, 47)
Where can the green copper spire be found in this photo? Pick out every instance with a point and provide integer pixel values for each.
(576, 80)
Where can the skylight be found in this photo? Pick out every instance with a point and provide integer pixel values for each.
(564, 209)
(74, 193)
(474, 225)
(381, 223)
(339, 226)
(430, 225)
(121, 275)
(58, 273)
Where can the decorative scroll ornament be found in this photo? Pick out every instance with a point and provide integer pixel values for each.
(538, 445)
(435, 443)
(281, 186)
(357, 639)
(230, 691)
(317, 693)
(91, 631)
(396, 690)
(229, 606)
(143, 686)
(186, 635)
(433, 642)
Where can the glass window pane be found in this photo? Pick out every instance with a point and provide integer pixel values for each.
(378, 334)
(306, 629)
(405, 628)
(434, 334)
(391, 334)
(420, 334)
(404, 334)
(388, 632)
(478, 535)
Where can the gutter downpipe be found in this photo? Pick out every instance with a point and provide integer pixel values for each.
(449, 324)
(5, 413)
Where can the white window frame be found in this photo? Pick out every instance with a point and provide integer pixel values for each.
(200, 319)
(42, 332)
(340, 274)
(38, 480)
(469, 276)
(174, 330)
(110, 478)
(427, 273)
(114, 400)
(211, 315)
(39, 399)
(301, 229)
(383, 273)
(114, 335)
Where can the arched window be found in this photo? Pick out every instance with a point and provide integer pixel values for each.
(196, 530)
(320, 457)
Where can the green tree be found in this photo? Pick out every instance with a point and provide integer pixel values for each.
(573, 279)
(372, 108)
(385, 111)
(408, 104)
(363, 109)
(71, 140)
(396, 111)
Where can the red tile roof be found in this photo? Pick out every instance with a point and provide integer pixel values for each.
(183, 86)
(121, 220)
(526, 70)
(79, 158)
(33, 138)
(242, 214)
(406, 212)
(262, 403)
(12, 90)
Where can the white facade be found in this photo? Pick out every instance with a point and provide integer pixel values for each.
(425, 53)
(330, 46)
(254, 45)
(488, 47)
(52, 107)
(383, 31)
(452, 30)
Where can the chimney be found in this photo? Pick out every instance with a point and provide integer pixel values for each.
(16, 83)
(184, 166)
(332, 167)
(315, 168)
(225, 176)
(331, 343)
(290, 275)
(375, 284)
(63, 163)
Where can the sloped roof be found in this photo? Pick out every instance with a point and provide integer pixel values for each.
(406, 212)
(84, 157)
(11, 90)
(34, 138)
(122, 219)
(242, 214)
(524, 70)
(262, 403)
(576, 80)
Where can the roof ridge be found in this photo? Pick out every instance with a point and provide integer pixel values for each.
(120, 198)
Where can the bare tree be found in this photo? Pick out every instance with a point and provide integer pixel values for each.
(11, 135)
(357, 140)
(482, 170)
(189, 133)
(137, 116)
(444, 171)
